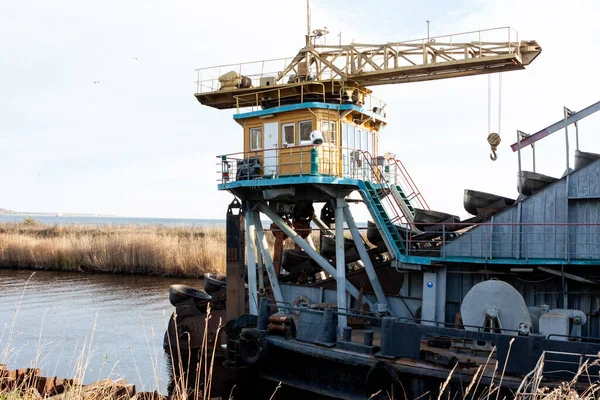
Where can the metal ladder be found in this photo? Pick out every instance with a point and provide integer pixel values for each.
(384, 223)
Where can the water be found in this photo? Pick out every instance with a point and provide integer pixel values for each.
(53, 317)
(89, 220)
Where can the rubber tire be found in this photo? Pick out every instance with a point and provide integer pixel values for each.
(253, 346)
(383, 379)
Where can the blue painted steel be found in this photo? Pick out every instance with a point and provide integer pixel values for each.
(312, 104)
(381, 219)
(402, 194)
(314, 162)
(515, 261)
(291, 180)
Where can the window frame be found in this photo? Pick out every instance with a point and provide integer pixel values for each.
(330, 136)
(304, 142)
(284, 142)
(261, 143)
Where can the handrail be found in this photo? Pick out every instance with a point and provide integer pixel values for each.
(398, 215)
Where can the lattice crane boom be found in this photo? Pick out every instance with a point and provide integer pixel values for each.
(364, 65)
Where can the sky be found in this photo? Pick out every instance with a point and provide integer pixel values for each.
(137, 143)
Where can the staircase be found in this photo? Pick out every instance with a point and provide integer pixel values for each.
(385, 224)
(399, 210)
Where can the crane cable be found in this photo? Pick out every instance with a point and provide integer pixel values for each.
(494, 138)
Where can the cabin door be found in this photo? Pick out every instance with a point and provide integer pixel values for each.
(271, 144)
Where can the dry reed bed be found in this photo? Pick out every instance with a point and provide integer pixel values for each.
(155, 250)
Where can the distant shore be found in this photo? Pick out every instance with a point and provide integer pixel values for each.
(5, 211)
(182, 251)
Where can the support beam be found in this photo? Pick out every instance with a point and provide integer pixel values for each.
(571, 119)
(251, 257)
(362, 251)
(260, 271)
(340, 262)
(278, 248)
(236, 299)
(322, 225)
(264, 249)
(433, 307)
(319, 259)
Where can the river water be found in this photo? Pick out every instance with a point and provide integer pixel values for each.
(105, 325)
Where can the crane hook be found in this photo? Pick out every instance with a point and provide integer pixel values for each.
(494, 140)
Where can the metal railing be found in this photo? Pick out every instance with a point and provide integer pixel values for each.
(291, 92)
(331, 160)
(571, 368)
(327, 160)
(495, 240)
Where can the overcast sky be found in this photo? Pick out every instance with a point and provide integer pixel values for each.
(138, 143)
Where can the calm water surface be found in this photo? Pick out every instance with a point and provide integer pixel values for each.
(62, 319)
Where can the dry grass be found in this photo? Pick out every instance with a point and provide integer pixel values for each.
(156, 250)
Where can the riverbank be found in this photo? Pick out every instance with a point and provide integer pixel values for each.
(120, 249)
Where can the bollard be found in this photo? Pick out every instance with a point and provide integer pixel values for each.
(314, 161)
(347, 334)
(327, 334)
(368, 340)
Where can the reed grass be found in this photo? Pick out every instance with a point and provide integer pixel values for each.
(133, 249)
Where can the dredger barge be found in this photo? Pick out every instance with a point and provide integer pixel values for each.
(421, 295)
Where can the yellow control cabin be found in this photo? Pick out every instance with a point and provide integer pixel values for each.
(278, 141)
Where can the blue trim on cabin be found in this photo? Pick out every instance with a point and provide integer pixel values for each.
(311, 104)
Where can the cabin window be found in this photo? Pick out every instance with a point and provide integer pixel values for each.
(288, 134)
(365, 140)
(358, 142)
(329, 129)
(351, 136)
(305, 128)
(256, 139)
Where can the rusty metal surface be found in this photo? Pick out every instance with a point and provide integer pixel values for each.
(391, 281)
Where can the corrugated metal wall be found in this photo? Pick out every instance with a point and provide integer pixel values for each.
(542, 235)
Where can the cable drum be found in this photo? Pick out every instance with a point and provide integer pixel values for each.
(497, 300)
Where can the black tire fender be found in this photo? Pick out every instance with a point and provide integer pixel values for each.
(383, 383)
(253, 346)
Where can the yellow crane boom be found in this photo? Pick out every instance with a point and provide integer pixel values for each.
(334, 69)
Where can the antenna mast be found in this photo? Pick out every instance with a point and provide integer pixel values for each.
(308, 35)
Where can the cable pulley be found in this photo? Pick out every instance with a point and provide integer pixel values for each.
(494, 141)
